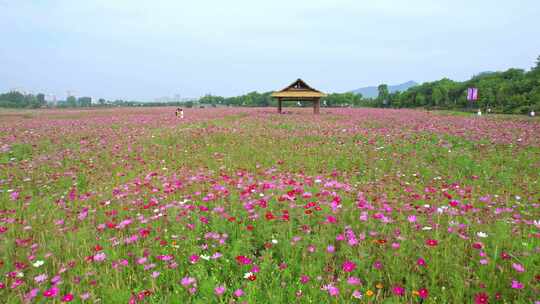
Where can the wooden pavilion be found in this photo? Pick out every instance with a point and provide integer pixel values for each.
(300, 91)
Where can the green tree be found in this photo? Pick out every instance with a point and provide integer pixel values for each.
(71, 101)
(41, 99)
(84, 101)
(382, 97)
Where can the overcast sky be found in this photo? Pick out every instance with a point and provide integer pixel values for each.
(142, 49)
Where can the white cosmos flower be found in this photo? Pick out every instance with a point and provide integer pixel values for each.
(205, 257)
(426, 228)
(482, 234)
(274, 241)
(247, 275)
(38, 263)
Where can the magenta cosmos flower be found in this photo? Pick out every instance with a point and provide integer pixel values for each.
(481, 298)
(398, 290)
(348, 266)
(50, 293)
(432, 242)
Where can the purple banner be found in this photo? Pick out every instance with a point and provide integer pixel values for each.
(472, 94)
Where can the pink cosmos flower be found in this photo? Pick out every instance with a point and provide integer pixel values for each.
(516, 284)
(243, 260)
(421, 262)
(481, 298)
(333, 291)
(398, 290)
(432, 242)
(423, 293)
(256, 269)
(518, 267)
(354, 281)
(187, 281)
(330, 249)
(50, 293)
(219, 290)
(85, 296)
(14, 195)
(304, 279)
(99, 257)
(31, 295)
(357, 294)
(67, 298)
(238, 293)
(40, 278)
(331, 219)
(194, 259)
(348, 266)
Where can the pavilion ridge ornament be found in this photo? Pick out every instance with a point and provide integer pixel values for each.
(299, 91)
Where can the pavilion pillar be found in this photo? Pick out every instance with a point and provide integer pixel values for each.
(316, 105)
(279, 105)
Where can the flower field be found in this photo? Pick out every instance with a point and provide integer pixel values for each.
(239, 205)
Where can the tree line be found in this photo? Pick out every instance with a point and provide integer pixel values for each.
(512, 91)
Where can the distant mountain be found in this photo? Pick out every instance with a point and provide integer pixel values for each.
(372, 92)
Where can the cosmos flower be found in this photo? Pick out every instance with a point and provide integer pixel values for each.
(357, 294)
(100, 257)
(348, 266)
(481, 298)
(304, 279)
(51, 293)
(423, 293)
(482, 234)
(333, 291)
(67, 298)
(354, 281)
(38, 263)
(432, 242)
(219, 290)
(40, 278)
(518, 267)
(516, 284)
(188, 281)
(398, 290)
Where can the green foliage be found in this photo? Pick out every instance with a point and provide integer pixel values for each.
(252, 99)
(84, 101)
(383, 93)
(16, 99)
(513, 91)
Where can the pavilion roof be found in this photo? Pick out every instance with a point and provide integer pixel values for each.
(298, 89)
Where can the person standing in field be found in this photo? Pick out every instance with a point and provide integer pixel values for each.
(179, 113)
